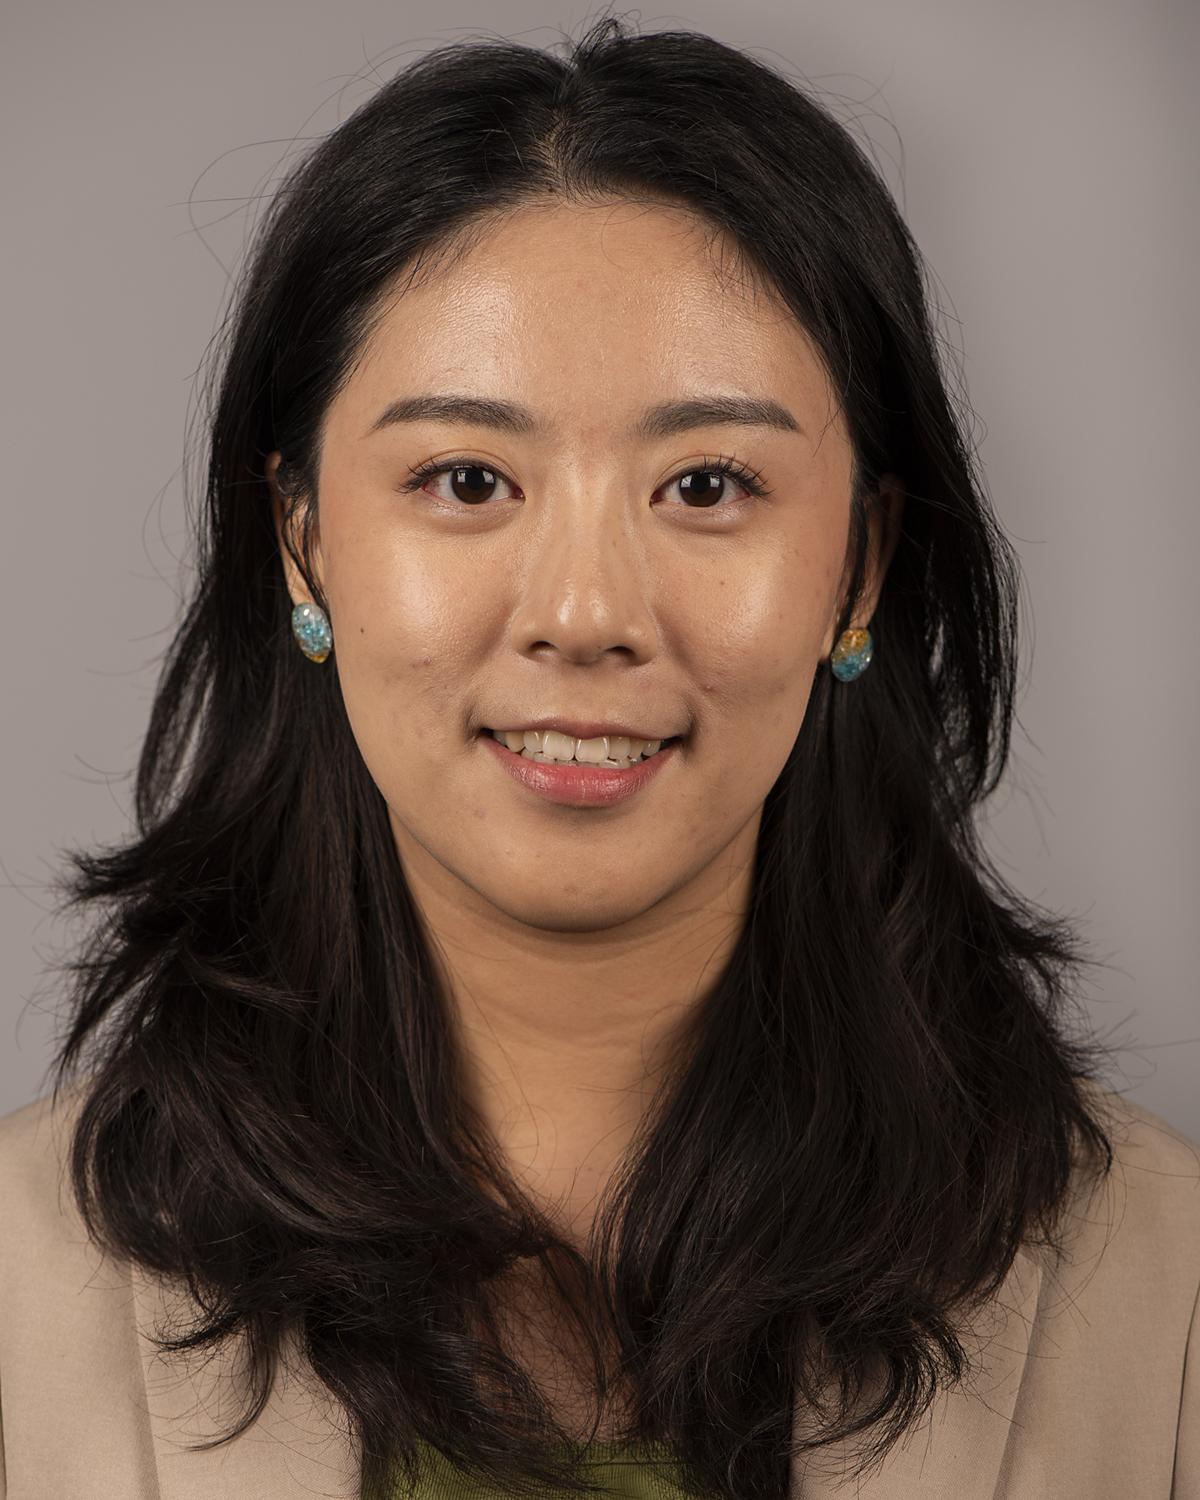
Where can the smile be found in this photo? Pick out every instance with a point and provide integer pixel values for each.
(610, 751)
(574, 783)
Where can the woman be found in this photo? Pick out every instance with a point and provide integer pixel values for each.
(556, 1007)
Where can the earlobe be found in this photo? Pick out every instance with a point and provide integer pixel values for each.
(277, 509)
(885, 524)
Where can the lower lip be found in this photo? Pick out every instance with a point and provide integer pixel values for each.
(579, 786)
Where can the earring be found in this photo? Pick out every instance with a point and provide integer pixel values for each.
(852, 655)
(310, 626)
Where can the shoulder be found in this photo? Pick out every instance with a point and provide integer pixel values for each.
(75, 1418)
(1132, 1235)
(1153, 1190)
(37, 1133)
(58, 1289)
(40, 1212)
(1109, 1400)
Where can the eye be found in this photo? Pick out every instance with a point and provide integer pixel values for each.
(706, 484)
(469, 483)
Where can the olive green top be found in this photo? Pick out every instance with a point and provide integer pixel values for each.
(630, 1471)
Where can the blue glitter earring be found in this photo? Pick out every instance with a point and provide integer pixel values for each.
(852, 655)
(310, 626)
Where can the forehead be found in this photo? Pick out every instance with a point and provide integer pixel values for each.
(586, 313)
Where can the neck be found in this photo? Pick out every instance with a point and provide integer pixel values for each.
(565, 1035)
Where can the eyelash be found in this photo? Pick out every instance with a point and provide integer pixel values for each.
(724, 464)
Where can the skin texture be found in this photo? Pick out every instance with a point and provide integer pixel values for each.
(575, 941)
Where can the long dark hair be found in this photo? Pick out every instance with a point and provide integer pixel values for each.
(881, 1101)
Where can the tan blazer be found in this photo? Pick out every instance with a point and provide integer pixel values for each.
(1090, 1383)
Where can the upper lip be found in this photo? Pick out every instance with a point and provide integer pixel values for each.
(582, 729)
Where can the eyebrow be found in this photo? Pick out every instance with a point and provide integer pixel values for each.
(662, 420)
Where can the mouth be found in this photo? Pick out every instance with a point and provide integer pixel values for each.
(578, 783)
(512, 741)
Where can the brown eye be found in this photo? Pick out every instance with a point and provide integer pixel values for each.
(705, 486)
(468, 482)
(709, 486)
(471, 483)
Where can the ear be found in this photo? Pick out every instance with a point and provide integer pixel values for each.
(296, 584)
(885, 512)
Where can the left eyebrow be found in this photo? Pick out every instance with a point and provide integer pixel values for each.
(662, 420)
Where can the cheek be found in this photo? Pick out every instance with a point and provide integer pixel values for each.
(389, 605)
(400, 633)
(762, 633)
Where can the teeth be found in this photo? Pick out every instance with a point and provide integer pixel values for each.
(608, 750)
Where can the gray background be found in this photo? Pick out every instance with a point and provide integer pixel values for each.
(1044, 156)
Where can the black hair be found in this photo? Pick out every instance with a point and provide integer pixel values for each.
(881, 1100)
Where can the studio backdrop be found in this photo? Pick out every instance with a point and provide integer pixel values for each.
(1044, 158)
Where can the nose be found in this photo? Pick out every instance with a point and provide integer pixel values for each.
(588, 574)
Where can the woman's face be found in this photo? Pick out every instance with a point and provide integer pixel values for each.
(587, 580)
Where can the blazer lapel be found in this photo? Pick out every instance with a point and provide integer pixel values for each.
(297, 1446)
(958, 1451)
(300, 1445)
